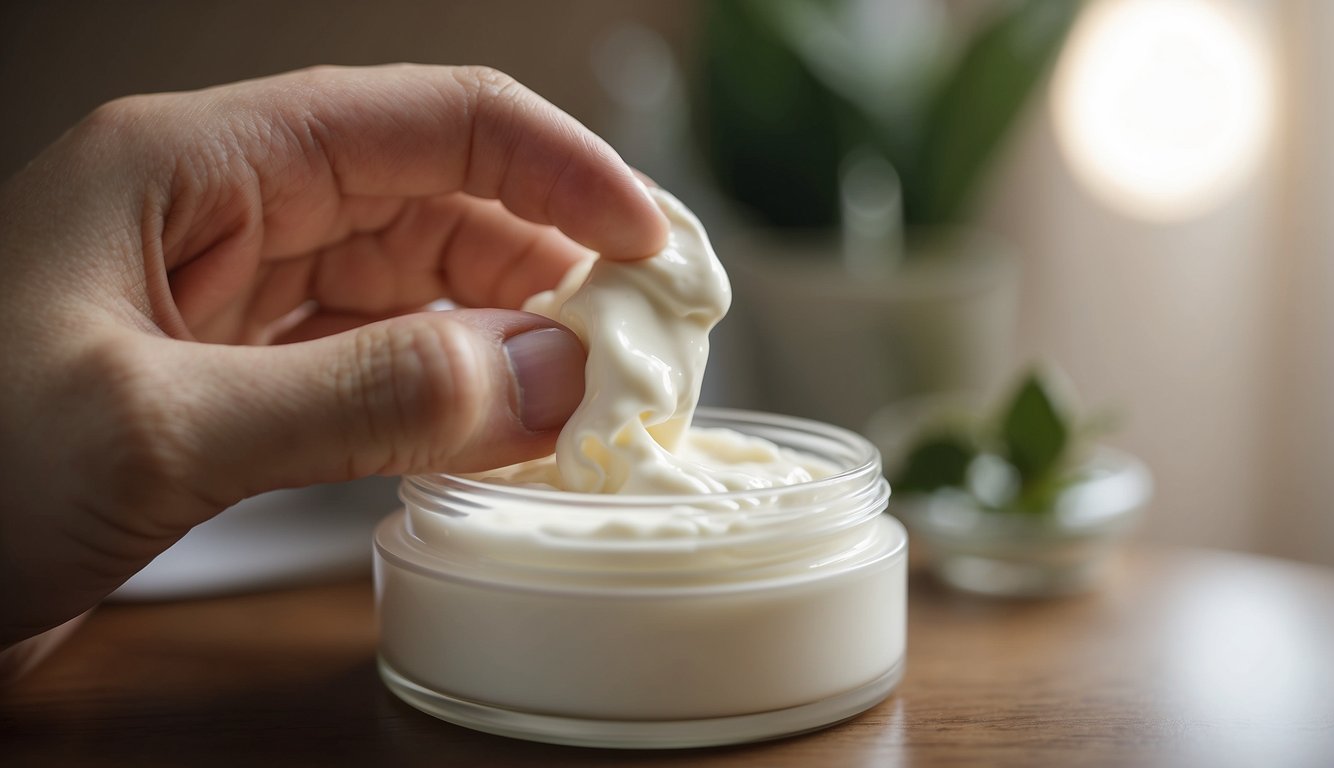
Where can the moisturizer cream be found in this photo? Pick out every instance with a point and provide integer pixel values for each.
(667, 578)
(648, 621)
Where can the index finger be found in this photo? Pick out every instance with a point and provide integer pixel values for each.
(408, 130)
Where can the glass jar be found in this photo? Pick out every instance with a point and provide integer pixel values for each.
(641, 621)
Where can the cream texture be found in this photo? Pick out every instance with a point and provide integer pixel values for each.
(646, 325)
(652, 655)
(708, 581)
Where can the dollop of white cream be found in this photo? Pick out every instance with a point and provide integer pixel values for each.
(646, 325)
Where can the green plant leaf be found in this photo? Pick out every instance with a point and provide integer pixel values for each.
(1034, 431)
(978, 101)
(938, 461)
(771, 131)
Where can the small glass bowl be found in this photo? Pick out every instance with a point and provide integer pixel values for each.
(1016, 554)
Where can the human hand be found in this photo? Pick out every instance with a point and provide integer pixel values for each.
(208, 295)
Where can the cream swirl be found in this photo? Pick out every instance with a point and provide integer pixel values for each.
(646, 325)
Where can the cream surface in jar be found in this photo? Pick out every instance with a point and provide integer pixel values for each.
(663, 580)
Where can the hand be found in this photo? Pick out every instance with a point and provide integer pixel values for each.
(208, 295)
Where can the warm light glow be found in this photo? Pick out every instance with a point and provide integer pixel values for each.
(1162, 107)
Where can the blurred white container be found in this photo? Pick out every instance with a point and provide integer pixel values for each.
(284, 538)
(1016, 554)
(835, 344)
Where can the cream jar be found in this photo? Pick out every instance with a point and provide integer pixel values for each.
(648, 621)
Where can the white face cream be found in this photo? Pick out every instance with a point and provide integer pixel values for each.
(664, 580)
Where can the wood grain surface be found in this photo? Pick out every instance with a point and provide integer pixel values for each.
(1183, 658)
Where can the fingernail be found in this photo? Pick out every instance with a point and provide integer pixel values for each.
(548, 369)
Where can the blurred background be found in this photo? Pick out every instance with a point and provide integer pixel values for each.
(913, 197)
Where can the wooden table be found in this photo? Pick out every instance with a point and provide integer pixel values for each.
(1185, 657)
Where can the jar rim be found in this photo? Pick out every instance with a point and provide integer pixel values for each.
(423, 489)
(394, 544)
(543, 530)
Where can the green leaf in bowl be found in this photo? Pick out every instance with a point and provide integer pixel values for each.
(1034, 430)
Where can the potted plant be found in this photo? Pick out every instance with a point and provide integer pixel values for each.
(851, 138)
(1020, 503)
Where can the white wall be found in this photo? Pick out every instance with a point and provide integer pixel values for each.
(1215, 336)
(1299, 520)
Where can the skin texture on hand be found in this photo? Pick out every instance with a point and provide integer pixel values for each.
(213, 294)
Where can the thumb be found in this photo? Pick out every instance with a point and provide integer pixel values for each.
(456, 391)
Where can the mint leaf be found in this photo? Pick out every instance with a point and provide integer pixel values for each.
(1034, 431)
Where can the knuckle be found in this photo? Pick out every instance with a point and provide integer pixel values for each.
(121, 113)
(457, 380)
(358, 379)
(488, 83)
(499, 109)
(413, 389)
(138, 135)
(498, 99)
(135, 121)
